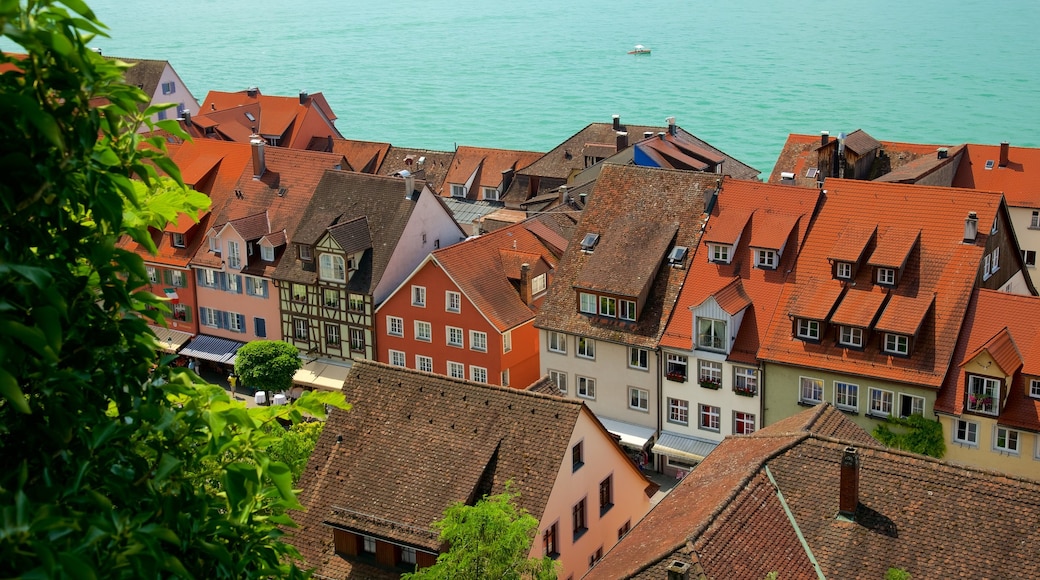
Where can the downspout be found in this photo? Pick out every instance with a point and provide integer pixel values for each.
(762, 395)
(660, 402)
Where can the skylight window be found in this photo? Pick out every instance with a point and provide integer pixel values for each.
(989, 164)
(811, 172)
(250, 117)
(589, 242)
(677, 255)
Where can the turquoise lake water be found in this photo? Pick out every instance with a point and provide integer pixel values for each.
(527, 75)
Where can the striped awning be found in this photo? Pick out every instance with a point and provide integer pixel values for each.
(170, 340)
(683, 447)
(323, 374)
(219, 350)
(631, 435)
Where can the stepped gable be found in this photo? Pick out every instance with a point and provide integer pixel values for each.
(769, 502)
(342, 196)
(742, 209)
(1014, 344)
(626, 200)
(471, 438)
(929, 298)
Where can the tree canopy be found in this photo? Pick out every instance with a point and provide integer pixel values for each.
(914, 433)
(491, 539)
(267, 364)
(112, 464)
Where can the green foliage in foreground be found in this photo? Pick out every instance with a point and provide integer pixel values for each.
(915, 434)
(111, 463)
(488, 540)
(293, 446)
(267, 365)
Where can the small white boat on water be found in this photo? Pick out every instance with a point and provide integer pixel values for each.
(639, 49)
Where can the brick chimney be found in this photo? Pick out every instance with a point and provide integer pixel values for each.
(617, 122)
(259, 166)
(1005, 148)
(525, 283)
(622, 140)
(849, 486)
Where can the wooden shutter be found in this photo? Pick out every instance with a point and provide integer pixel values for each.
(263, 286)
(167, 277)
(260, 327)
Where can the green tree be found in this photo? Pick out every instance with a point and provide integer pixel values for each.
(897, 574)
(293, 445)
(267, 364)
(112, 464)
(491, 539)
(914, 433)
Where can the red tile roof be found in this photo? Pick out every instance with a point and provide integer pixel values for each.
(859, 307)
(1004, 325)
(483, 268)
(893, 246)
(766, 502)
(741, 209)
(1018, 181)
(487, 165)
(291, 119)
(932, 292)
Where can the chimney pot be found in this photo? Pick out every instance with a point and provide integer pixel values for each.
(825, 137)
(671, 126)
(622, 141)
(1005, 149)
(971, 227)
(303, 97)
(849, 484)
(648, 134)
(251, 92)
(617, 122)
(943, 153)
(259, 163)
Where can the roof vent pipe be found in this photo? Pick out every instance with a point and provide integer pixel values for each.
(971, 227)
(849, 484)
(671, 126)
(943, 153)
(648, 134)
(622, 140)
(617, 122)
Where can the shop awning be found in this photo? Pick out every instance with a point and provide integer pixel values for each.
(219, 350)
(631, 435)
(170, 340)
(683, 446)
(323, 374)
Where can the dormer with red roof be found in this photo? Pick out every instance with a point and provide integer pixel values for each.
(481, 174)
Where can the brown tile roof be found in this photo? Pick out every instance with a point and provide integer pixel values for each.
(352, 235)
(740, 210)
(487, 164)
(483, 268)
(628, 236)
(991, 316)
(432, 170)
(624, 197)
(251, 227)
(921, 167)
(1018, 181)
(283, 192)
(472, 438)
(860, 142)
(940, 266)
(343, 196)
(764, 502)
(362, 156)
(674, 152)
(145, 74)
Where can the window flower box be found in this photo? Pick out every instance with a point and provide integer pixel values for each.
(710, 383)
(744, 391)
(980, 403)
(676, 377)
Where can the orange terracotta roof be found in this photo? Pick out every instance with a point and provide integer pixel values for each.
(483, 268)
(737, 211)
(432, 170)
(1010, 340)
(251, 227)
(732, 298)
(363, 156)
(200, 167)
(894, 245)
(852, 240)
(293, 120)
(929, 298)
(185, 222)
(485, 166)
(1018, 181)
(772, 229)
(859, 307)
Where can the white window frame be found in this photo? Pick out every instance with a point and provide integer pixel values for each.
(1029, 258)
(1034, 389)
(709, 418)
(850, 336)
(880, 402)
(586, 387)
(708, 335)
(369, 544)
(765, 259)
(408, 555)
(747, 420)
(807, 329)
(209, 278)
(627, 310)
(355, 302)
(153, 274)
(357, 339)
(745, 379)
(559, 378)
(423, 331)
(886, 276)
(979, 388)
(458, 190)
(504, 377)
(232, 283)
(424, 363)
(478, 374)
(255, 286)
(398, 358)
(452, 301)
(898, 344)
(720, 253)
(234, 255)
(332, 335)
(456, 370)
(330, 297)
(709, 370)
(301, 327)
(608, 306)
(1034, 220)
(638, 399)
(917, 404)
(846, 396)
(557, 342)
(177, 278)
(994, 263)
(678, 411)
(965, 432)
(678, 361)
(177, 240)
(1012, 440)
(419, 296)
(507, 341)
(214, 244)
(305, 252)
(332, 268)
(394, 326)
(209, 317)
(807, 387)
(638, 358)
(267, 253)
(843, 270)
(587, 303)
(478, 341)
(585, 348)
(236, 322)
(538, 284)
(455, 336)
(490, 193)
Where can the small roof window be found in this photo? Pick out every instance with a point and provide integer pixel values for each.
(677, 255)
(989, 164)
(589, 242)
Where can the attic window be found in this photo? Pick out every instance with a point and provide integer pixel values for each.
(811, 172)
(989, 164)
(250, 116)
(677, 256)
(720, 253)
(765, 259)
(589, 242)
(843, 270)
(305, 252)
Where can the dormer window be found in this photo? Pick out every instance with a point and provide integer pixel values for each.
(850, 336)
(588, 243)
(720, 253)
(538, 284)
(458, 190)
(214, 244)
(305, 252)
(897, 344)
(267, 253)
(608, 306)
(332, 268)
(711, 334)
(765, 259)
(491, 193)
(806, 329)
(177, 240)
(587, 303)
(628, 310)
(983, 395)
(234, 257)
(843, 270)
(886, 276)
(677, 256)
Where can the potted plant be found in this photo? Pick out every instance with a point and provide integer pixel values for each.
(711, 383)
(744, 391)
(676, 376)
